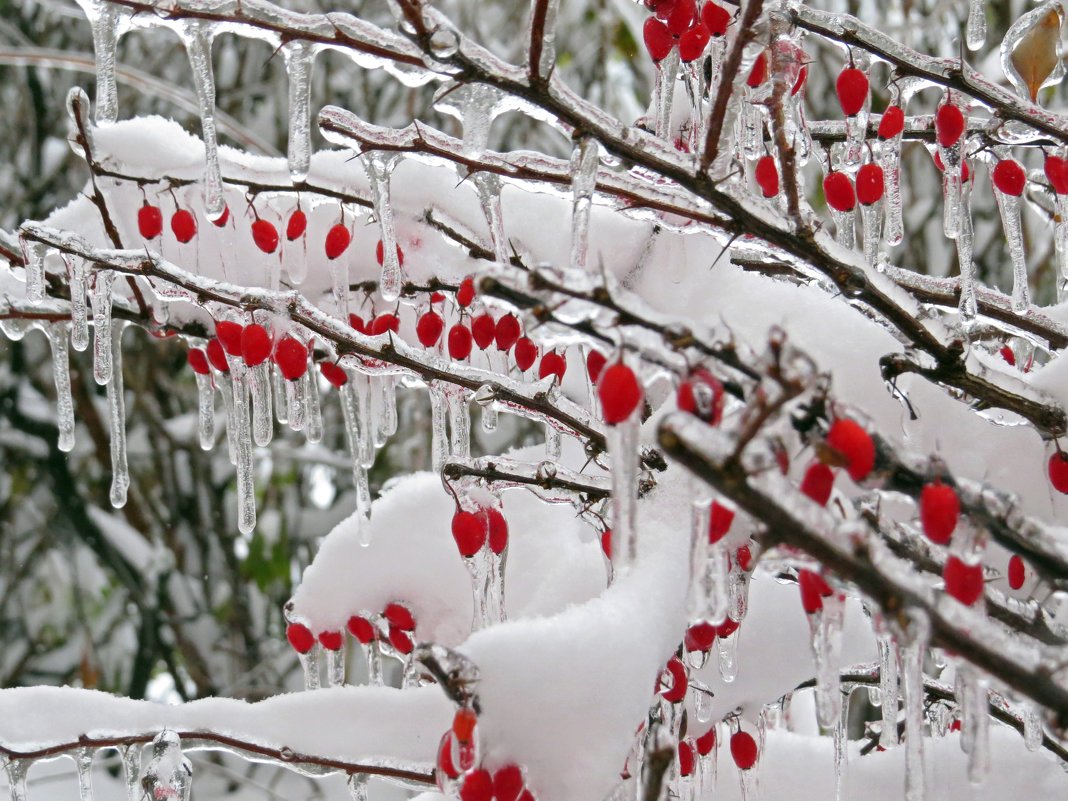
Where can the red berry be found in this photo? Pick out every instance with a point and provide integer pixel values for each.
(767, 176)
(716, 18)
(706, 742)
(1056, 169)
(331, 640)
(383, 323)
(459, 342)
(292, 358)
(444, 763)
(692, 44)
(658, 39)
(1008, 355)
(727, 628)
(357, 324)
(429, 328)
(1058, 470)
(552, 363)
(852, 89)
(184, 225)
(483, 329)
(217, 356)
(230, 334)
(400, 640)
(399, 615)
(223, 218)
(620, 393)
(720, 519)
(508, 783)
(838, 190)
(477, 786)
(817, 483)
(870, 184)
(380, 254)
(526, 352)
(743, 750)
(744, 557)
(1017, 571)
(939, 511)
(855, 444)
(463, 724)
(700, 636)
(300, 637)
(265, 235)
(949, 124)
(198, 361)
(496, 528)
(469, 531)
(507, 332)
(685, 758)
(1009, 177)
(466, 293)
(759, 73)
(814, 588)
(297, 225)
(334, 373)
(337, 241)
(892, 122)
(595, 362)
(676, 690)
(149, 221)
(606, 542)
(683, 14)
(362, 629)
(799, 84)
(255, 344)
(963, 581)
(702, 395)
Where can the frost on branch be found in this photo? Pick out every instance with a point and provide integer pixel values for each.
(736, 479)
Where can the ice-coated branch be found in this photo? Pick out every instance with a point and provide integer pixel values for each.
(864, 561)
(553, 479)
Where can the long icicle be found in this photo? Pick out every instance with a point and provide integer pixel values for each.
(197, 37)
(57, 341)
(120, 475)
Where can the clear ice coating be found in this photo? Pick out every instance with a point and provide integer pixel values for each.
(623, 451)
(974, 699)
(131, 770)
(77, 272)
(975, 30)
(34, 255)
(871, 219)
(168, 774)
(259, 378)
(584, 163)
(101, 300)
(488, 187)
(57, 341)
(83, 762)
(1009, 208)
(1032, 52)
(965, 239)
(888, 690)
(300, 58)
(664, 92)
(844, 228)
(439, 434)
(197, 35)
(16, 770)
(120, 473)
(378, 167)
(548, 37)
(358, 786)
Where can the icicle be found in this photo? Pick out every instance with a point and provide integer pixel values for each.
(378, 167)
(335, 667)
(737, 593)
(664, 92)
(76, 274)
(295, 392)
(1009, 207)
(168, 774)
(975, 32)
(439, 436)
(750, 127)
(716, 580)
(83, 761)
(699, 523)
(197, 36)
(857, 124)
(262, 414)
(242, 438)
(871, 224)
(488, 187)
(120, 475)
(313, 414)
(339, 280)
(844, 228)
(553, 442)
(459, 421)
(57, 341)
(951, 192)
(826, 648)
(105, 21)
(387, 407)
(727, 653)
(374, 663)
(888, 690)
(583, 169)
(16, 770)
(131, 770)
(1060, 241)
(34, 256)
(300, 58)
(975, 705)
(350, 411)
(281, 404)
(484, 398)
(623, 450)
(309, 662)
(1032, 726)
(841, 748)
(368, 423)
(912, 667)
(358, 786)
(101, 300)
(965, 238)
(226, 387)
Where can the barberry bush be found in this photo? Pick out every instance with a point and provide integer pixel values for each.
(564, 401)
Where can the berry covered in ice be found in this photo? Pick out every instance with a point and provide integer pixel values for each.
(337, 241)
(949, 124)
(255, 344)
(855, 445)
(1058, 471)
(939, 511)
(429, 328)
(297, 225)
(963, 581)
(701, 395)
(891, 123)
(552, 363)
(818, 482)
(466, 293)
(300, 637)
(292, 358)
(265, 235)
(459, 342)
(469, 531)
(198, 361)
(743, 750)
(1009, 177)
(362, 629)
(620, 393)
(720, 519)
(1017, 571)
(852, 90)
(767, 176)
(838, 190)
(870, 184)
(526, 353)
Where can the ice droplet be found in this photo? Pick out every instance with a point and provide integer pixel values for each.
(975, 32)
(57, 341)
(300, 58)
(120, 475)
(378, 168)
(197, 36)
(101, 300)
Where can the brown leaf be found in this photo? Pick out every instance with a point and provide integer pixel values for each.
(1035, 57)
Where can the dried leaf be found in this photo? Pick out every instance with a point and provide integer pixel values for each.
(1035, 57)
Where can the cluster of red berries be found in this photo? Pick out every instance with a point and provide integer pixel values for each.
(394, 626)
(473, 531)
(457, 761)
(702, 635)
(254, 345)
(679, 23)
